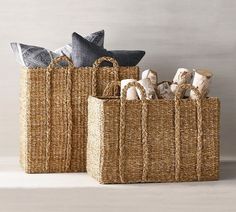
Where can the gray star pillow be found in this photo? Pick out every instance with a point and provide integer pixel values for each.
(84, 53)
(33, 56)
(96, 38)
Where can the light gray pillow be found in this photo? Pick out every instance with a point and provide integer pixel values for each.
(33, 56)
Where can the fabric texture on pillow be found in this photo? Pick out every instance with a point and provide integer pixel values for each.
(84, 53)
(96, 38)
(128, 57)
(32, 56)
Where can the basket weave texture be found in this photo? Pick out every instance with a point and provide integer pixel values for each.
(153, 140)
(53, 113)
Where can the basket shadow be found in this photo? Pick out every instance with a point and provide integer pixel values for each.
(228, 170)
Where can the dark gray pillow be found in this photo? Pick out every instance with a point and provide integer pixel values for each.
(128, 57)
(33, 56)
(84, 53)
(96, 38)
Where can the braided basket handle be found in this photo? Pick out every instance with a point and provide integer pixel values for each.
(123, 127)
(136, 85)
(48, 110)
(57, 60)
(98, 62)
(96, 65)
(177, 129)
(108, 89)
(187, 86)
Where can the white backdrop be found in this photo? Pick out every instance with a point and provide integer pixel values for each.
(186, 33)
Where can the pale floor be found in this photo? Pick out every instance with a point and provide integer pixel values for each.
(78, 192)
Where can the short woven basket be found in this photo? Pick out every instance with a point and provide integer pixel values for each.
(153, 140)
(53, 113)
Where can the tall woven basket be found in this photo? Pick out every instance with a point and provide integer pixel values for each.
(53, 113)
(153, 140)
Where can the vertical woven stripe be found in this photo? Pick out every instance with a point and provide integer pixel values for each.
(69, 119)
(48, 118)
(122, 131)
(48, 110)
(177, 130)
(95, 70)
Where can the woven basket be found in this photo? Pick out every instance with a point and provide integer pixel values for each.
(53, 113)
(153, 140)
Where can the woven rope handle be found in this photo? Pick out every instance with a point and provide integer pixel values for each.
(57, 60)
(115, 71)
(48, 118)
(69, 119)
(122, 131)
(136, 85)
(177, 129)
(110, 86)
(48, 112)
(98, 62)
(185, 87)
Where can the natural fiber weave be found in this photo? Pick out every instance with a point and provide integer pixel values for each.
(153, 140)
(53, 117)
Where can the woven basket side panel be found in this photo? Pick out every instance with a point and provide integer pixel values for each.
(110, 154)
(95, 137)
(81, 89)
(133, 145)
(133, 154)
(211, 140)
(36, 141)
(188, 139)
(105, 76)
(161, 142)
(23, 117)
(34, 116)
(59, 121)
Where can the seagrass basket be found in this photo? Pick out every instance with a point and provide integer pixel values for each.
(53, 113)
(132, 141)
